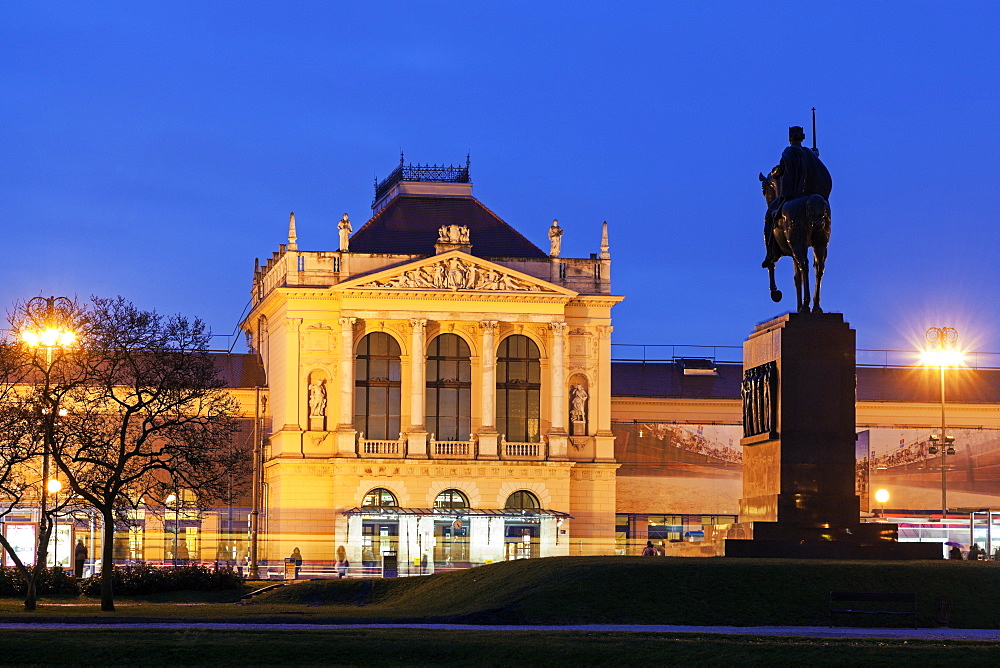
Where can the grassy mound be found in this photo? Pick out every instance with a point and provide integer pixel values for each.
(635, 590)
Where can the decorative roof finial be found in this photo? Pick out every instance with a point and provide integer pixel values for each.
(605, 249)
(292, 239)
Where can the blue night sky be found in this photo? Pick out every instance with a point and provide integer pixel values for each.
(153, 150)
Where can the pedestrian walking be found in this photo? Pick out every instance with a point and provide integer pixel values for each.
(79, 558)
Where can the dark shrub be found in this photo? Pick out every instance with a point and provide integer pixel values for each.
(141, 579)
(51, 581)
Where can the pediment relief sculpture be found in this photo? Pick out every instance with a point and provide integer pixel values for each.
(455, 274)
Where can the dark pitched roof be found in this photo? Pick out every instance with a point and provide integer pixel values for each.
(924, 385)
(239, 369)
(665, 379)
(409, 225)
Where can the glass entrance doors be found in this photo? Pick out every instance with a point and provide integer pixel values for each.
(521, 541)
(451, 544)
(377, 538)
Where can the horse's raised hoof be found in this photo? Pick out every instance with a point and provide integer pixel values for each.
(775, 295)
(817, 309)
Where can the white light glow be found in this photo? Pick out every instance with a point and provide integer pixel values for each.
(943, 357)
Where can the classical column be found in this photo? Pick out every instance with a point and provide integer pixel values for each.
(416, 439)
(488, 408)
(418, 372)
(346, 401)
(346, 446)
(605, 439)
(558, 438)
(558, 376)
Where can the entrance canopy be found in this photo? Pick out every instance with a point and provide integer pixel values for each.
(385, 512)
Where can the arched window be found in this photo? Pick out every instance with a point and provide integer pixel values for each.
(451, 498)
(376, 387)
(380, 497)
(518, 389)
(449, 388)
(522, 500)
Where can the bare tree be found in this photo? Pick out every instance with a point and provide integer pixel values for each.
(150, 418)
(32, 383)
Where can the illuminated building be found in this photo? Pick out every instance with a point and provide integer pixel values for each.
(439, 387)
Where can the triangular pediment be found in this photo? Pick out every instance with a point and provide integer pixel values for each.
(455, 271)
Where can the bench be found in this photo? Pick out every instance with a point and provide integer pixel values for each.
(843, 602)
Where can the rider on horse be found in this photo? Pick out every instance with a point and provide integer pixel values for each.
(800, 173)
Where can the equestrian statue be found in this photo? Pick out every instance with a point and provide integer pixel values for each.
(797, 191)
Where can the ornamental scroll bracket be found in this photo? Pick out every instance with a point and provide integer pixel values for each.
(760, 406)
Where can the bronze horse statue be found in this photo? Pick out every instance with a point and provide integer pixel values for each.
(798, 224)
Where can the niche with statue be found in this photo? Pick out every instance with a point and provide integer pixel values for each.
(579, 395)
(317, 401)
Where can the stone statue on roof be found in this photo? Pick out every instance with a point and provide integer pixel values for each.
(344, 228)
(555, 239)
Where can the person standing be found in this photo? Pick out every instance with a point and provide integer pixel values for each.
(241, 556)
(79, 558)
(649, 550)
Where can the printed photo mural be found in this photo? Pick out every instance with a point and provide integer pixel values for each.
(678, 468)
(900, 461)
(691, 468)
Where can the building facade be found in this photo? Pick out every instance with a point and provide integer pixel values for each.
(439, 388)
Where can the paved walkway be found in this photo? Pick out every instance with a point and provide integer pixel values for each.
(984, 635)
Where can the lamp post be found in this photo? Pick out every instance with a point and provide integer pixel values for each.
(173, 498)
(53, 487)
(46, 326)
(943, 354)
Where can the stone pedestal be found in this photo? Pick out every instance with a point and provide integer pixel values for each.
(799, 445)
(801, 468)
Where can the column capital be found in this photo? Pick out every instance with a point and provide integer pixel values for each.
(489, 325)
(604, 331)
(418, 324)
(557, 327)
(346, 322)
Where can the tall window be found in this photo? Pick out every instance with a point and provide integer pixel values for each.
(522, 500)
(379, 497)
(449, 388)
(451, 498)
(377, 387)
(518, 389)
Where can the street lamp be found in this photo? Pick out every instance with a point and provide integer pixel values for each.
(943, 354)
(47, 326)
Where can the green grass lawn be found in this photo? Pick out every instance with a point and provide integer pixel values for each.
(580, 590)
(563, 590)
(405, 647)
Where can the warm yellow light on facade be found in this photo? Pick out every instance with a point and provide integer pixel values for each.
(54, 486)
(882, 495)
